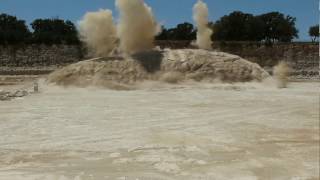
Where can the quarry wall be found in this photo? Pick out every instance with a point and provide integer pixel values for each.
(303, 57)
(39, 55)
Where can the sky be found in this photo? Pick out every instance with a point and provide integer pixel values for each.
(167, 12)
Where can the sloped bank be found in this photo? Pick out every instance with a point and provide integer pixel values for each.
(168, 65)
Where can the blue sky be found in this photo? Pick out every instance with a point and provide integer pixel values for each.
(168, 12)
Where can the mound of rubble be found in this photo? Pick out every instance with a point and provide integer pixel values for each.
(6, 95)
(172, 66)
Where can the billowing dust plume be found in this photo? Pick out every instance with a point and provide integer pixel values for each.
(98, 31)
(281, 73)
(137, 26)
(200, 16)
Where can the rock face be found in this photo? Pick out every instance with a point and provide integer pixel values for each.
(184, 64)
(39, 55)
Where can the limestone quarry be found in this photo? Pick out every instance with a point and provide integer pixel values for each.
(140, 112)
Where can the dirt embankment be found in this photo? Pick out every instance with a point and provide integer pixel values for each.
(172, 66)
(303, 58)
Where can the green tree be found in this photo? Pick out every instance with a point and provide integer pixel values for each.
(238, 26)
(271, 27)
(54, 31)
(254, 28)
(314, 32)
(278, 27)
(184, 31)
(13, 30)
(163, 35)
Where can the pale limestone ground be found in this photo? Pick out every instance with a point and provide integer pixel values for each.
(191, 131)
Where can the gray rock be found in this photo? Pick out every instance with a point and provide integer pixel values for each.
(19, 93)
(4, 96)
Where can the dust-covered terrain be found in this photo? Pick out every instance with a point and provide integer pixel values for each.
(137, 111)
(162, 131)
(174, 66)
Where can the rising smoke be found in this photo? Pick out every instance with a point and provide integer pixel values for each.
(200, 16)
(137, 26)
(98, 31)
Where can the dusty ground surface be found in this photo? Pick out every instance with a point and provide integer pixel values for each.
(190, 131)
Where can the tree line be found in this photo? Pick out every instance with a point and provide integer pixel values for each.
(237, 26)
(45, 31)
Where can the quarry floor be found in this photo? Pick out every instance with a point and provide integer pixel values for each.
(191, 131)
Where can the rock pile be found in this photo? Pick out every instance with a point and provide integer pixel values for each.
(183, 64)
(6, 95)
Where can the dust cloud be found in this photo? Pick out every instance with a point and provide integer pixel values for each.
(200, 16)
(98, 31)
(130, 64)
(137, 26)
(281, 73)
